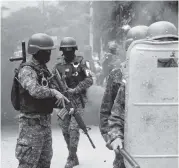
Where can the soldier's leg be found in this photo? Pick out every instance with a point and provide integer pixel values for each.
(74, 140)
(101, 78)
(47, 151)
(74, 130)
(65, 129)
(29, 143)
(65, 124)
(118, 161)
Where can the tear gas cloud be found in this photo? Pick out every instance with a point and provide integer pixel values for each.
(151, 11)
(94, 95)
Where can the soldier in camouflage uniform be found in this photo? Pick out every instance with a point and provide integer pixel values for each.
(107, 64)
(116, 81)
(116, 119)
(34, 144)
(77, 76)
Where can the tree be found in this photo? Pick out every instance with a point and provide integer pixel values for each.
(109, 17)
(60, 20)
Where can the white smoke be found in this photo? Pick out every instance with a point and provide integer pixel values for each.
(94, 95)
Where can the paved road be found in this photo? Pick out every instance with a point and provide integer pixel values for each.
(89, 157)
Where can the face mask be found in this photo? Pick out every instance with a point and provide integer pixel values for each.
(69, 55)
(43, 56)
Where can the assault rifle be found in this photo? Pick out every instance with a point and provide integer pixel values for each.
(70, 106)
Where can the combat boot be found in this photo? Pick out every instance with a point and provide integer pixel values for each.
(72, 159)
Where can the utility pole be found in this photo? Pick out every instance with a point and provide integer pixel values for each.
(43, 13)
(91, 27)
(43, 5)
(3, 9)
(118, 17)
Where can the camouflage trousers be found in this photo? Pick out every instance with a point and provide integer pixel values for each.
(34, 144)
(118, 161)
(70, 129)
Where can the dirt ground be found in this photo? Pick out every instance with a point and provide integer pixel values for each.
(88, 157)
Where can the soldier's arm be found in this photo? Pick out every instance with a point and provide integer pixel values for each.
(54, 83)
(87, 82)
(29, 81)
(112, 86)
(116, 119)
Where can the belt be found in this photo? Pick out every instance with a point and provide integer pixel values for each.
(44, 120)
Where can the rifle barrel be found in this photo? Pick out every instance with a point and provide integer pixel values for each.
(16, 59)
(90, 140)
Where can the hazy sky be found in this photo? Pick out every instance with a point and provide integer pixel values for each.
(18, 4)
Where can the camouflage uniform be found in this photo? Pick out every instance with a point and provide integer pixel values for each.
(107, 66)
(34, 144)
(112, 87)
(116, 119)
(69, 126)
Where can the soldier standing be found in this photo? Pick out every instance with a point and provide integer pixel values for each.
(37, 100)
(107, 64)
(114, 82)
(116, 119)
(75, 71)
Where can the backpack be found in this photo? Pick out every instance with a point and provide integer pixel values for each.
(15, 95)
(15, 91)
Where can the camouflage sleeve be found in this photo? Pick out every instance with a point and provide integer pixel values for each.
(87, 82)
(116, 119)
(112, 86)
(54, 83)
(28, 80)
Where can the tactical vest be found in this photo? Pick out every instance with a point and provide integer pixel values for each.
(73, 72)
(31, 105)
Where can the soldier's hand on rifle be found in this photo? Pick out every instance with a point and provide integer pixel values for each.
(60, 97)
(72, 110)
(117, 144)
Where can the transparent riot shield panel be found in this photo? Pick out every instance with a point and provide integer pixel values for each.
(151, 118)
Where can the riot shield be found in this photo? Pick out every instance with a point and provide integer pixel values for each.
(151, 117)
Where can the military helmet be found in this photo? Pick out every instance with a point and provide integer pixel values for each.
(68, 42)
(161, 28)
(137, 32)
(40, 41)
